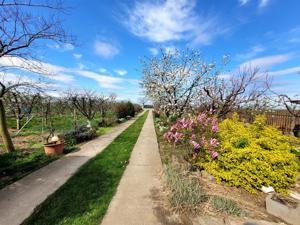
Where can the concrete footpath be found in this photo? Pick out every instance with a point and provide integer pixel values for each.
(133, 204)
(18, 200)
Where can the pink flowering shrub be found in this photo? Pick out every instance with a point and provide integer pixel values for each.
(199, 134)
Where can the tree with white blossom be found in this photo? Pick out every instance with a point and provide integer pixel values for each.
(173, 79)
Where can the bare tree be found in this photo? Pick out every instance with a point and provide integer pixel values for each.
(8, 87)
(85, 103)
(21, 27)
(105, 104)
(143, 101)
(246, 89)
(21, 103)
(172, 79)
(291, 105)
(24, 24)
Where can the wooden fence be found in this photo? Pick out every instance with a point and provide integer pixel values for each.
(281, 119)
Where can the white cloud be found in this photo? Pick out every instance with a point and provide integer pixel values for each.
(267, 62)
(63, 78)
(225, 76)
(173, 20)
(243, 2)
(77, 56)
(65, 74)
(103, 80)
(153, 51)
(105, 49)
(121, 72)
(45, 69)
(7, 78)
(292, 70)
(170, 49)
(81, 66)
(261, 3)
(103, 70)
(251, 53)
(61, 47)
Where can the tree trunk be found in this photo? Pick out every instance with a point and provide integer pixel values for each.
(18, 124)
(9, 147)
(293, 123)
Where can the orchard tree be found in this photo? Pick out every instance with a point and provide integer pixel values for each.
(85, 102)
(172, 79)
(105, 104)
(5, 88)
(225, 93)
(24, 24)
(292, 105)
(21, 103)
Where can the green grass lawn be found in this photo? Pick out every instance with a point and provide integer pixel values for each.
(15, 165)
(103, 130)
(85, 197)
(61, 124)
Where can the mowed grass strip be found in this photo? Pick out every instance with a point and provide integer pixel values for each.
(85, 197)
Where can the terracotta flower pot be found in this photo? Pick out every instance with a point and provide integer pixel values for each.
(54, 148)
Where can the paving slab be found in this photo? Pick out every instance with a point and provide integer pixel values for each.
(18, 200)
(132, 203)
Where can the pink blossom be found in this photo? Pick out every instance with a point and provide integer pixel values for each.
(214, 142)
(193, 136)
(214, 154)
(196, 146)
(201, 118)
(169, 136)
(178, 136)
(173, 128)
(215, 128)
(214, 122)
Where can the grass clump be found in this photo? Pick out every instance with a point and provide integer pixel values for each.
(85, 197)
(186, 193)
(227, 205)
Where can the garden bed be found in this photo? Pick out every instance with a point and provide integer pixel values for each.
(232, 199)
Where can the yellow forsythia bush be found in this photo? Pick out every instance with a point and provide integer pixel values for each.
(254, 155)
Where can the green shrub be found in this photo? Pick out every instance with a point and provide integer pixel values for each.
(78, 135)
(185, 192)
(124, 109)
(254, 155)
(227, 205)
(137, 108)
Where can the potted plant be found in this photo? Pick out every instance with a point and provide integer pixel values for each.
(53, 144)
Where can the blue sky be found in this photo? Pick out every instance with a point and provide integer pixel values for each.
(112, 36)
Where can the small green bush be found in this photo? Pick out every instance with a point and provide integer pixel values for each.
(78, 135)
(227, 205)
(254, 155)
(185, 192)
(124, 109)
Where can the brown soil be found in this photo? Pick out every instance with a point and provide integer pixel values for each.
(23, 143)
